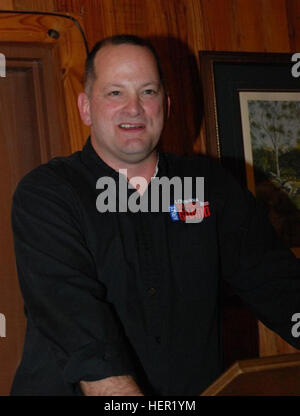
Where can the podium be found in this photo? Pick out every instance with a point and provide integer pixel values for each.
(268, 376)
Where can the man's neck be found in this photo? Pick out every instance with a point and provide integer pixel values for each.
(145, 168)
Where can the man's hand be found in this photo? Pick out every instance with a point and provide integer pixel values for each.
(111, 386)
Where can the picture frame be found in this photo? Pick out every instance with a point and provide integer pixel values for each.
(241, 95)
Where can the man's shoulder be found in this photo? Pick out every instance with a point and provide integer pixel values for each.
(218, 181)
(193, 165)
(56, 173)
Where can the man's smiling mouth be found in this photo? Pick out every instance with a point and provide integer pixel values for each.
(131, 126)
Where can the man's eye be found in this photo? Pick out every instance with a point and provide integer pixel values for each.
(114, 93)
(149, 92)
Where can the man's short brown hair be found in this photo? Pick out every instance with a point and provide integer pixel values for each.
(90, 74)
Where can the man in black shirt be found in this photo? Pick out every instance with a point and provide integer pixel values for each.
(126, 303)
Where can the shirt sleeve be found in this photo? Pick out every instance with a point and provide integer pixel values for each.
(57, 275)
(258, 266)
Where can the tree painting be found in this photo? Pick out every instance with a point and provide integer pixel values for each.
(275, 141)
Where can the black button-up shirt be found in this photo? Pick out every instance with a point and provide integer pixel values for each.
(137, 293)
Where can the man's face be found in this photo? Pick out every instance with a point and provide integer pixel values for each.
(125, 105)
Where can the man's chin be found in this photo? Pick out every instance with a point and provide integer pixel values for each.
(137, 154)
(136, 148)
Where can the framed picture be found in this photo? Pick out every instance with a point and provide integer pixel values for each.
(252, 123)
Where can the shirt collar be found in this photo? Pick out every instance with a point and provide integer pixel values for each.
(156, 167)
(94, 162)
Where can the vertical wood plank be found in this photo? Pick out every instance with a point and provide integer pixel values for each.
(245, 25)
(275, 25)
(6, 5)
(35, 5)
(217, 24)
(72, 6)
(293, 18)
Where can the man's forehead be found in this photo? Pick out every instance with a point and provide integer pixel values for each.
(116, 49)
(114, 55)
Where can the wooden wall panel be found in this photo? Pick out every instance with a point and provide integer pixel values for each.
(293, 17)
(35, 5)
(6, 4)
(249, 25)
(275, 26)
(71, 6)
(245, 25)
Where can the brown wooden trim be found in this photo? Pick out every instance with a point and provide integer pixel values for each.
(252, 366)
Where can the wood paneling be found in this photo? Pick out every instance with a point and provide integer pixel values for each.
(245, 25)
(71, 6)
(39, 5)
(6, 4)
(249, 25)
(293, 15)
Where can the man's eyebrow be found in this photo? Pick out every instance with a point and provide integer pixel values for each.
(114, 86)
(151, 83)
(146, 84)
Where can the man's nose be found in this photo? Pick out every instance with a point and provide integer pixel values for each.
(134, 105)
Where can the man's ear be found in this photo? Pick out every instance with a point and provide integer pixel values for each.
(83, 103)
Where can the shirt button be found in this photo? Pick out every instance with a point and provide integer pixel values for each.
(158, 340)
(152, 291)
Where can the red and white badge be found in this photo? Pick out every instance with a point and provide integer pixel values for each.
(189, 211)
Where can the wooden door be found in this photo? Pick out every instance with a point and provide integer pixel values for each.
(27, 122)
(34, 127)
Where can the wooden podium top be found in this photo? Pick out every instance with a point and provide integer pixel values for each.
(269, 376)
